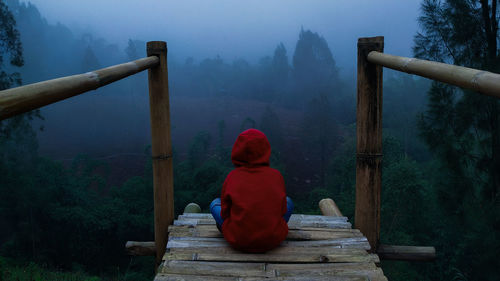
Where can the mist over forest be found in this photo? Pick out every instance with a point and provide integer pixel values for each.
(76, 176)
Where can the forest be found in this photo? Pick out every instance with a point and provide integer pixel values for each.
(76, 177)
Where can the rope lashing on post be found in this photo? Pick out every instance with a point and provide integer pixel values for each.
(161, 157)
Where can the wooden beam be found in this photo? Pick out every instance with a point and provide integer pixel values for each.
(329, 208)
(135, 248)
(25, 98)
(484, 82)
(161, 147)
(369, 141)
(406, 253)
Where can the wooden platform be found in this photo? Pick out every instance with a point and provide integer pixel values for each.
(317, 248)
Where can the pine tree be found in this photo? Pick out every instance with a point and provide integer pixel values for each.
(314, 70)
(280, 67)
(131, 50)
(320, 133)
(90, 61)
(462, 127)
(462, 130)
(10, 45)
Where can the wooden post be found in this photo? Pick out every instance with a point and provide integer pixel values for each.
(161, 147)
(369, 141)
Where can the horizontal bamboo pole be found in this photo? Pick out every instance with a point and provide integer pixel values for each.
(25, 98)
(406, 253)
(484, 82)
(135, 248)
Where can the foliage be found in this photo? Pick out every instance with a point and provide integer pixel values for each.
(9, 270)
(270, 125)
(461, 128)
(90, 61)
(320, 133)
(10, 45)
(404, 98)
(280, 69)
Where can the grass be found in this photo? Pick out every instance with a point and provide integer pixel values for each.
(140, 268)
(10, 270)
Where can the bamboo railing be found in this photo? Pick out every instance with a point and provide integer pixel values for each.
(25, 98)
(484, 82)
(371, 59)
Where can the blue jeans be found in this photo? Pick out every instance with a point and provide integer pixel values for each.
(215, 209)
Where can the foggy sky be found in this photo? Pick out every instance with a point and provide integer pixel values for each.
(241, 29)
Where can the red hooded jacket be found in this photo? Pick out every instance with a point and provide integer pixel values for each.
(253, 199)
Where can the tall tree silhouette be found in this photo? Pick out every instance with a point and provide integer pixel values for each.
(90, 61)
(314, 70)
(462, 130)
(280, 67)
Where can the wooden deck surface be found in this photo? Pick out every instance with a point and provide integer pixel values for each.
(317, 248)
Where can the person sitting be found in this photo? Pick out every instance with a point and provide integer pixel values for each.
(253, 210)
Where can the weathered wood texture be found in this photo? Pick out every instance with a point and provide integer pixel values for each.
(175, 277)
(196, 250)
(484, 82)
(161, 146)
(294, 222)
(329, 208)
(25, 98)
(406, 253)
(136, 248)
(369, 141)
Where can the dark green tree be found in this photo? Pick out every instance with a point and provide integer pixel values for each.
(18, 145)
(198, 150)
(131, 50)
(462, 130)
(90, 61)
(280, 69)
(314, 70)
(320, 133)
(10, 48)
(248, 123)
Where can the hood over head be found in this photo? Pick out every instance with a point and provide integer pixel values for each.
(251, 149)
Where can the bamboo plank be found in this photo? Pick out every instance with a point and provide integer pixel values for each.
(320, 269)
(266, 270)
(350, 242)
(231, 269)
(281, 254)
(174, 277)
(224, 269)
(196, 250)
